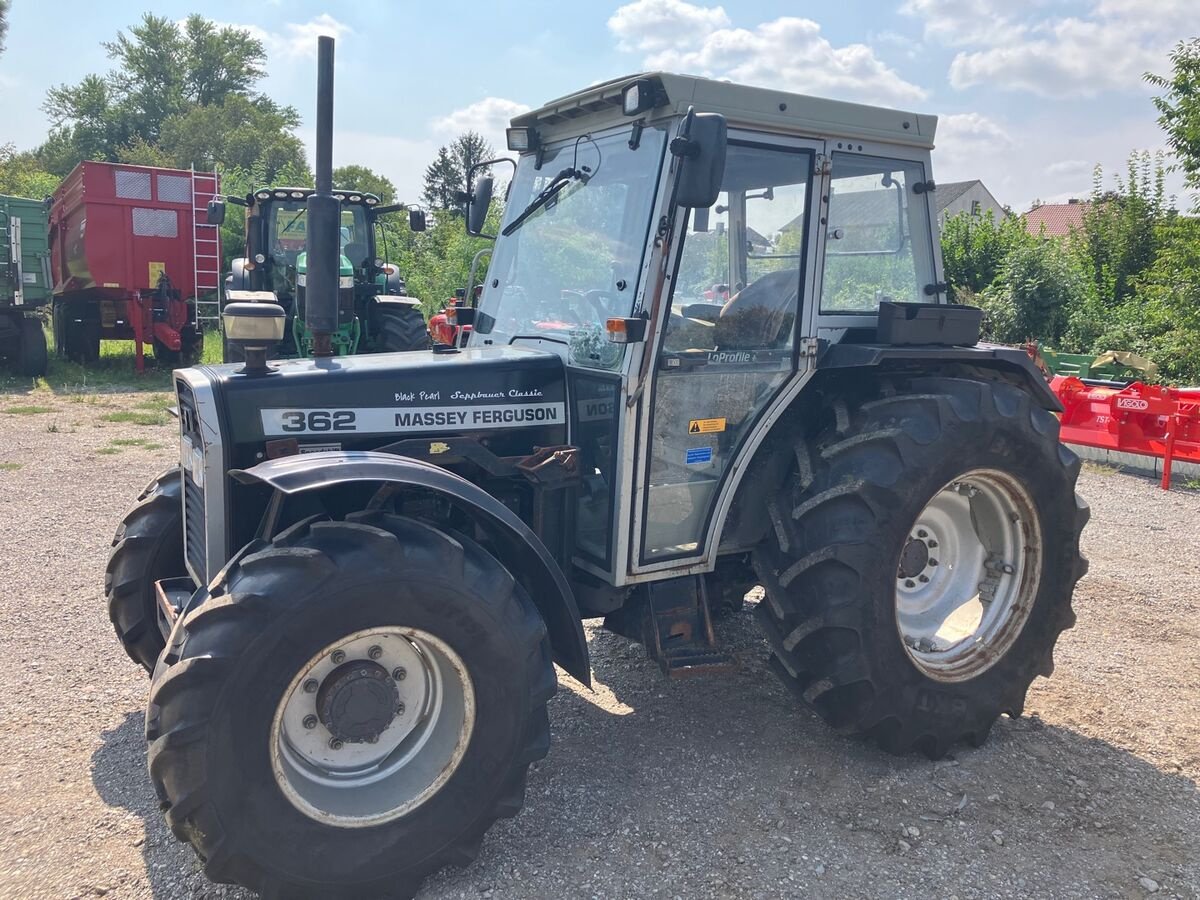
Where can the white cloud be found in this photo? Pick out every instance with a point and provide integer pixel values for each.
(787, 53)
(295, 40)
(656, 25)
(1070, 168)
(489, 116)
(1015, 46)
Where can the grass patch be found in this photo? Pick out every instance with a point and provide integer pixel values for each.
(109, 451)
(10, 466)
(28, 410)
(130, 442)
(1192, 484)
(1097, 468)
(136, 417)
(156, 402)
(118, 444)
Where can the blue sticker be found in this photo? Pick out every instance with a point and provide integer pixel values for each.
(697, 455)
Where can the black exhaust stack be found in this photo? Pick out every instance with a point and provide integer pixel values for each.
(322, 245)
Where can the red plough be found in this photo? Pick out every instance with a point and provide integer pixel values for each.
(1145, 419)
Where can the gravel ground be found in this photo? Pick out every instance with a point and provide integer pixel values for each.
(716, 787)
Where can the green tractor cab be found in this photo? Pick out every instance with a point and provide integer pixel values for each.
(375, 313)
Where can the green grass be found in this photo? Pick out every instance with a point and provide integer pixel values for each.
(118, 444)
(28, 410)
(108, 451)
(10, 466)
(136, 417)
(115, 369)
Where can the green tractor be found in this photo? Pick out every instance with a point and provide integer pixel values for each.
(375, 313)
(352, 591)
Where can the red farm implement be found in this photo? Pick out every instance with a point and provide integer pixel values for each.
(1143, 419)
(131, 253)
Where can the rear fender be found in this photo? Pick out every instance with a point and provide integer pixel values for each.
(521, 551)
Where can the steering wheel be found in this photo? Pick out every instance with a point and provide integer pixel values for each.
(602, 303)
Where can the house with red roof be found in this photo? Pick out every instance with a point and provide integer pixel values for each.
(1057, 219)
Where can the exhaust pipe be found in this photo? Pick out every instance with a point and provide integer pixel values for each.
(324, 210)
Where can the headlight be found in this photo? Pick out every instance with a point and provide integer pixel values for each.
(254, 323)
(259, 258)
(638, 97)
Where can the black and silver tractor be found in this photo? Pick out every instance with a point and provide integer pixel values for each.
(353, 589)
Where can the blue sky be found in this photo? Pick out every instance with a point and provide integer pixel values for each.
(1031, 93)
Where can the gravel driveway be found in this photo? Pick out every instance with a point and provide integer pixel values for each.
(717, 787)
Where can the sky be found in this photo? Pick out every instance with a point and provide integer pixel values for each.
(1031, 94)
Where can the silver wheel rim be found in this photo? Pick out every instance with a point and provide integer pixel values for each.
(968, 575)
(360, 781)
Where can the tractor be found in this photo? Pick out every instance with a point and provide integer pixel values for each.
(375, 312)
(352, 591)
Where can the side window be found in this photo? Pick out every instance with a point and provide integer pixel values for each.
(738, 286)
(877, 240)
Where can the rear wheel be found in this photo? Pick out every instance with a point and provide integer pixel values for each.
(31, 351)
(78, 332)
(333, 722)
(147, 547)
(922, 563)
(400, 327)
(191, 347)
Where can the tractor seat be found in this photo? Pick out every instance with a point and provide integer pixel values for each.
(356, 253)
(760, 316)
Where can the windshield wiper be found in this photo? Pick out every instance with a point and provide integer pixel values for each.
(549, 192)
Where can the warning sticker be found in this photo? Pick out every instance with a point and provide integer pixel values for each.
(698, 455)
(157, 270)
(706, 426)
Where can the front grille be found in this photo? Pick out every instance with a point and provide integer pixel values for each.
(195, 544)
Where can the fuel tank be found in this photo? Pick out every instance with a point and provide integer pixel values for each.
(512, 399)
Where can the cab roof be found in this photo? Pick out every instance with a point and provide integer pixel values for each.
(742, 105)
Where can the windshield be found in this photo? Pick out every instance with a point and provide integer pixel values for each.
(576, 261)
(289, 229)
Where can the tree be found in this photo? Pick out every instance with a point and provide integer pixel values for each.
(21, 175)
(360, 178)
(1037, 286)
(1179, 107)
(178, 90)
(4, 4)
(974, 249)
(447, 174)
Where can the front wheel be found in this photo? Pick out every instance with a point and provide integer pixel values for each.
(922, 563)
(400, 327)
(147, 547)
(336, 720)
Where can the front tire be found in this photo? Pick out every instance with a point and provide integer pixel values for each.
(253, 780)
(148, 546)
(865, 623)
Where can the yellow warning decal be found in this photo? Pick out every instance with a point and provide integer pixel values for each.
(706, 426)
(157, 269)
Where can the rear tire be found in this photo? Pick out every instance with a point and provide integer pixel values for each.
(32, 358)
(148, 546)
(400, 328)
(78, 332)
(223, 765)
(191, 347)
(837, 567)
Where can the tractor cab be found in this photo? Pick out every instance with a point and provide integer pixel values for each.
(374, 311)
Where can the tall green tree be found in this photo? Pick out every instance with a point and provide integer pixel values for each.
(4, 5)
(447, 174)
(360, 178)
(1179, 107)
(974, 249)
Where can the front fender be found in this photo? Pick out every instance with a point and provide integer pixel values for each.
(521, 551)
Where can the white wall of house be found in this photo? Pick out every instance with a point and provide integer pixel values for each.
(975, 200)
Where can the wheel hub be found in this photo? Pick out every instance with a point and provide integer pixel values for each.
(914, 558)
(358, 701)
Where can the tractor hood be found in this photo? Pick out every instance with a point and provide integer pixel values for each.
(345, 270)
(512, 399)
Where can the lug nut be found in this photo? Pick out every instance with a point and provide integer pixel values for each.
(399, 709)
(310, 722)
(399, 673)
(924, 579)
(932, 544)
(375, 652)
(921, 532)
(910, 583)
(933, 562)
(335, 744)
(338, 657)
(310, 686)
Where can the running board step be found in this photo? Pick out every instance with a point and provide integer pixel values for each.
(672, 620)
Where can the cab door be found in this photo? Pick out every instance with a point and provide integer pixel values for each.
(731, 349)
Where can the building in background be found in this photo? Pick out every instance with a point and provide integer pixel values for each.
(970, 197)
(1057, 219)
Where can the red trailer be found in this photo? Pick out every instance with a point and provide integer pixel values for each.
(131, 251)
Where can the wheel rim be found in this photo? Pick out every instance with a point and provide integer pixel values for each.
(372, 726)
(968, 575)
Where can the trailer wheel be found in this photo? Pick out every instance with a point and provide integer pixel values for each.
(32, 358)
(148, 546)
(400, 327)
(922, 563)
(336, 722)
(77, 335)
(191, 348)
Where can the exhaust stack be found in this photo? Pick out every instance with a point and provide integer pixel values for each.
(322, 245)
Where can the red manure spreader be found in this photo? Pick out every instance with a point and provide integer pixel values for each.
(131, 252)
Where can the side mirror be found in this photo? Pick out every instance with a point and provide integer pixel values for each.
(701, 147)
(216, 212)
(478, 201)
(700, 216)
(416, 220)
